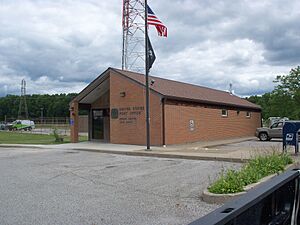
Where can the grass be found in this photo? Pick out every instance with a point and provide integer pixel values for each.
(233, 181)
(27, 138)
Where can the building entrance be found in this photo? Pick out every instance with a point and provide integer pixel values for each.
(99, 127)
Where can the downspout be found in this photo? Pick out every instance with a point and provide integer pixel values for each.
(163, 122)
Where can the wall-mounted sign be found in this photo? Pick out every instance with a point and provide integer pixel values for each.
(192, 125)
(129, 115)
(71, 122)
(114, 113)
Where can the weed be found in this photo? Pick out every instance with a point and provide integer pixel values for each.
(258, 167)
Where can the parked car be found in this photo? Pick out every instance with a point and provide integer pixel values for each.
(271, 120)
(22, 125)
(267, 133)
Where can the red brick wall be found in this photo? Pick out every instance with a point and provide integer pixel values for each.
(131, 128)
(208, 124)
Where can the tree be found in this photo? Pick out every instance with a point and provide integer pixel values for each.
(53, 105)
(284, 100)
(290, 84)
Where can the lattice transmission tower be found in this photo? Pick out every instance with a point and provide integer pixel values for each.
(133, 54)
(23, 110)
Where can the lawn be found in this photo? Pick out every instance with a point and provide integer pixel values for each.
(28, 138)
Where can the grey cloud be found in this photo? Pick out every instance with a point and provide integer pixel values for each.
(210, 43)
(271, 23)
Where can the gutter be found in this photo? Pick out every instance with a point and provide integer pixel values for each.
(258, 109)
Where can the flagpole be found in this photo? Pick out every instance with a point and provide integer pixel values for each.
(147, 78)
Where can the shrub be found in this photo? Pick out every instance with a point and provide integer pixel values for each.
(258, 167)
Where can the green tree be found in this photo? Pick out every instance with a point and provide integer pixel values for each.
(290, 84)
(284, 100)
(289, 87)
(53, 105)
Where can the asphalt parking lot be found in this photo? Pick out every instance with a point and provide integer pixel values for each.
(48, 186)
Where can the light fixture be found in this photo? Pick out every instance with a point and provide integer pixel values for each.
(122, 94)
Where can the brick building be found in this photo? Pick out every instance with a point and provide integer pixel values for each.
(179, 112)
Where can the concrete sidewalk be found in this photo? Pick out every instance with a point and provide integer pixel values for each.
(195, 151)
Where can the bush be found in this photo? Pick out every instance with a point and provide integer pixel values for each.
(261, 166)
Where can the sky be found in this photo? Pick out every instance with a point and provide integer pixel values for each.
(60, 46)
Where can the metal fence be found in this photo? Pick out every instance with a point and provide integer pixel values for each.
(275, 202)
(46, 125)
(62, 124)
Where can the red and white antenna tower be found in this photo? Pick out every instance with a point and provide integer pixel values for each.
(133, 54)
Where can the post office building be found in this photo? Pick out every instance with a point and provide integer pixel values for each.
(179, 112)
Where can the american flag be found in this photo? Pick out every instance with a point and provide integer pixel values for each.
(153, 20)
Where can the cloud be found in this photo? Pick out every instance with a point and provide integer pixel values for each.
(61, 46)
(57, 39)
(217, 64)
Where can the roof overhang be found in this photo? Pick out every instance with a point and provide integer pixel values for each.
(95, 89)
(98, 91)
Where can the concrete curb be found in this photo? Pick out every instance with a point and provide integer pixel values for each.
(213, 198)
(141, 152)
(219, 199)
(164, 155)
(21, 146)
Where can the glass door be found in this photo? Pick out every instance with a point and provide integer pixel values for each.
(97, 124)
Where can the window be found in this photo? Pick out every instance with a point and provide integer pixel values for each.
(277, 125)
(248, 114)
(224, 112)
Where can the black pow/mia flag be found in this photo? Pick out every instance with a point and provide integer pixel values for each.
(151, 54)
